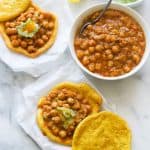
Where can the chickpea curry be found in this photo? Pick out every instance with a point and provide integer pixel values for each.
(64, 108)
(111, 47)
(31, 33)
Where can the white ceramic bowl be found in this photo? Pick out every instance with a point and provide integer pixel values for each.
(135, 15)
(131, 4)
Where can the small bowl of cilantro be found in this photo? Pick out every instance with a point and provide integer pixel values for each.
(130, 3)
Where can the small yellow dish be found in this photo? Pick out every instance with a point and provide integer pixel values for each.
(74, 1)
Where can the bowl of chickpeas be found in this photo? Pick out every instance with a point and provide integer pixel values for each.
(113, 48)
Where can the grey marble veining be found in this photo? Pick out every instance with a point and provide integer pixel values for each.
(11, 135)
(131, 98)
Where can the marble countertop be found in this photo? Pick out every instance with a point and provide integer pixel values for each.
(130, 96)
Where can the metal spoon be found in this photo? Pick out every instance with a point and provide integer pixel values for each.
(97, 19)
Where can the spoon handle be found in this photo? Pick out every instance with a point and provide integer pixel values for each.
(102, 13)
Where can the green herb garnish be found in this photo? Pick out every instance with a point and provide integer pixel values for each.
(28, 29)
(68, 115)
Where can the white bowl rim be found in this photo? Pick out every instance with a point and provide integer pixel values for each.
(144, 26)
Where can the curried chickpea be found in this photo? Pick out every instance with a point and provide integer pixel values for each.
(92, 58)
(15, 43)
(13, 37)
(47, 15)
(97, 55)
(12, 25)
(66, 105)
(45, 38)
(49, 33)
(53, 93)
(40, 42)
(110, 63)
(60, 103)
(91, 49)
(92, 42)
(91, 67)
(110, 56)
(136, 58)
(62, 133)
(80, 53)
(126, 68)
(31, 49)
(89, 27)
(108, 51)
(56, 119)
(24, 44)
(41, 17)
(55, 130)
(29, 15)
(86, 52)
(41, 31)
(11, 31)
(53, 112)
(51, 25)
(79, 96)
(113, 38)
(45, 24)
(7, 24)
(61, 95)
(98, 66)
(108, 38)
(88, 107)
(45, 115)
(76, 105)
(47, 107)
(78, 41)
(99, 48)
(50, 124)
(85, 60)
(54, 104)
(102, 36)
(71, 128)
(115, 49)
(84, 45)
(85, 101)
(70, 101)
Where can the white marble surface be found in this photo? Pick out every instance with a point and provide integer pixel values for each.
(131, 97)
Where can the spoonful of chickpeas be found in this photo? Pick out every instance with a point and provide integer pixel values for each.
(97, 19)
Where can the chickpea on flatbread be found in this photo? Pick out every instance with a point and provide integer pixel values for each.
(66, 105)
(10, 9)
(102, 131)
(32, 33)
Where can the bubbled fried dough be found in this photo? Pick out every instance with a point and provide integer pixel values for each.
(102, 131)
(40, 42)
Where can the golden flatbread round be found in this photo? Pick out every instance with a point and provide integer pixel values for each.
(102, 131)
(10, 9)
(32, 33)
(75, 101)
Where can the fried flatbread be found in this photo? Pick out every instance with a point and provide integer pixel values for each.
(38, 51)
(102, 131)
(10, 9)
(94, 99)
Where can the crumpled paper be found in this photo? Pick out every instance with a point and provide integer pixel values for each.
(44, 63)
(26, 115)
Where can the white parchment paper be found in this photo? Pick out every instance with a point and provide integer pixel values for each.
(44, 63)
(26, 115)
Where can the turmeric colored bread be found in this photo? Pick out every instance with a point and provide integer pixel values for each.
(32, 33)
(102, 131)
(65, 106)
(10, 9)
